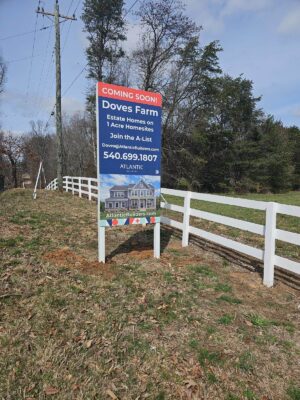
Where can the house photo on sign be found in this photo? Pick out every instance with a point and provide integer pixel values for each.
(129, 155)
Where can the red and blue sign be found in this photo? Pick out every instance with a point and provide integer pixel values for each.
(129, 154)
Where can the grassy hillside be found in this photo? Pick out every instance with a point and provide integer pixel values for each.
(187, 326)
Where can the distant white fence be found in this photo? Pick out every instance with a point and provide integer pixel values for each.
(88, 187)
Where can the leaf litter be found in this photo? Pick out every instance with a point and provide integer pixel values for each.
(136, 327)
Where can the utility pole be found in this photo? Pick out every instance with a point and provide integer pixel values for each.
(59, 133)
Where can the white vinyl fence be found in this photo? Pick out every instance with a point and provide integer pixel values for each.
(88, 187)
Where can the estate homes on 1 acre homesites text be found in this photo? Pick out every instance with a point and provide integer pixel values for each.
(139, 196)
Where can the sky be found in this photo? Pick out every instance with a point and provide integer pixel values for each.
(260, 39)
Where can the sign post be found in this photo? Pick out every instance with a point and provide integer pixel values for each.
(129, 159)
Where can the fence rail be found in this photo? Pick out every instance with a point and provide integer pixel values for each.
(89, 187)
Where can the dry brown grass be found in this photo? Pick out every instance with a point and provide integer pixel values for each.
(187, 326)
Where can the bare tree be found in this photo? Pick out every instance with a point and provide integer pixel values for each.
(11, 148)
(165, 31)
(90, 118)
(39, 145)
(4, 164)
(79, 146)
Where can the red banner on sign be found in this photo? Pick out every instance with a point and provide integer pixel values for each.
(129, 94)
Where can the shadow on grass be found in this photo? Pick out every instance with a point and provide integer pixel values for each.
(142, 241)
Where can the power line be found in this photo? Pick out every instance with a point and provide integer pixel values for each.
(72, 1)
(43, 68)
(66, 38)
(51, 82)
(49, 78)
(66, 90)
(69, 27)
(128, 11)
(51, 115)
(51, 61)
(30, 68)
(59, 133)
(79, 1)
(48, 120)
(70, 6)
(22, 59)
(84, 68)
(25, 33)
(74, 80)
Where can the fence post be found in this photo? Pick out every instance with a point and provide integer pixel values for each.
(90, 188)
(270, 244)
(186, 219)
(72, 185)
(67, 183)
(79, 187)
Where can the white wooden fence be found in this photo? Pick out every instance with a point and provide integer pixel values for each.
(88, 187)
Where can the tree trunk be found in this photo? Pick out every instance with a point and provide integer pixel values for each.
(14, 173)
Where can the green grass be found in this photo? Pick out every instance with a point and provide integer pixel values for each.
(8, 242)
(231, 396)
(229, 299)
(226, 319)
(223, 287)
(246, 362)
(250, 395)
(259, 321)
(202, 270)
(262, 322)
(293, 392)
(204, 355)
(211, 377)
(11, 242)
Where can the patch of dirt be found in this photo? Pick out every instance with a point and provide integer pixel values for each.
(67, 258)
(141, 254)
(175, 245)
(252, 279)
(181, 260)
